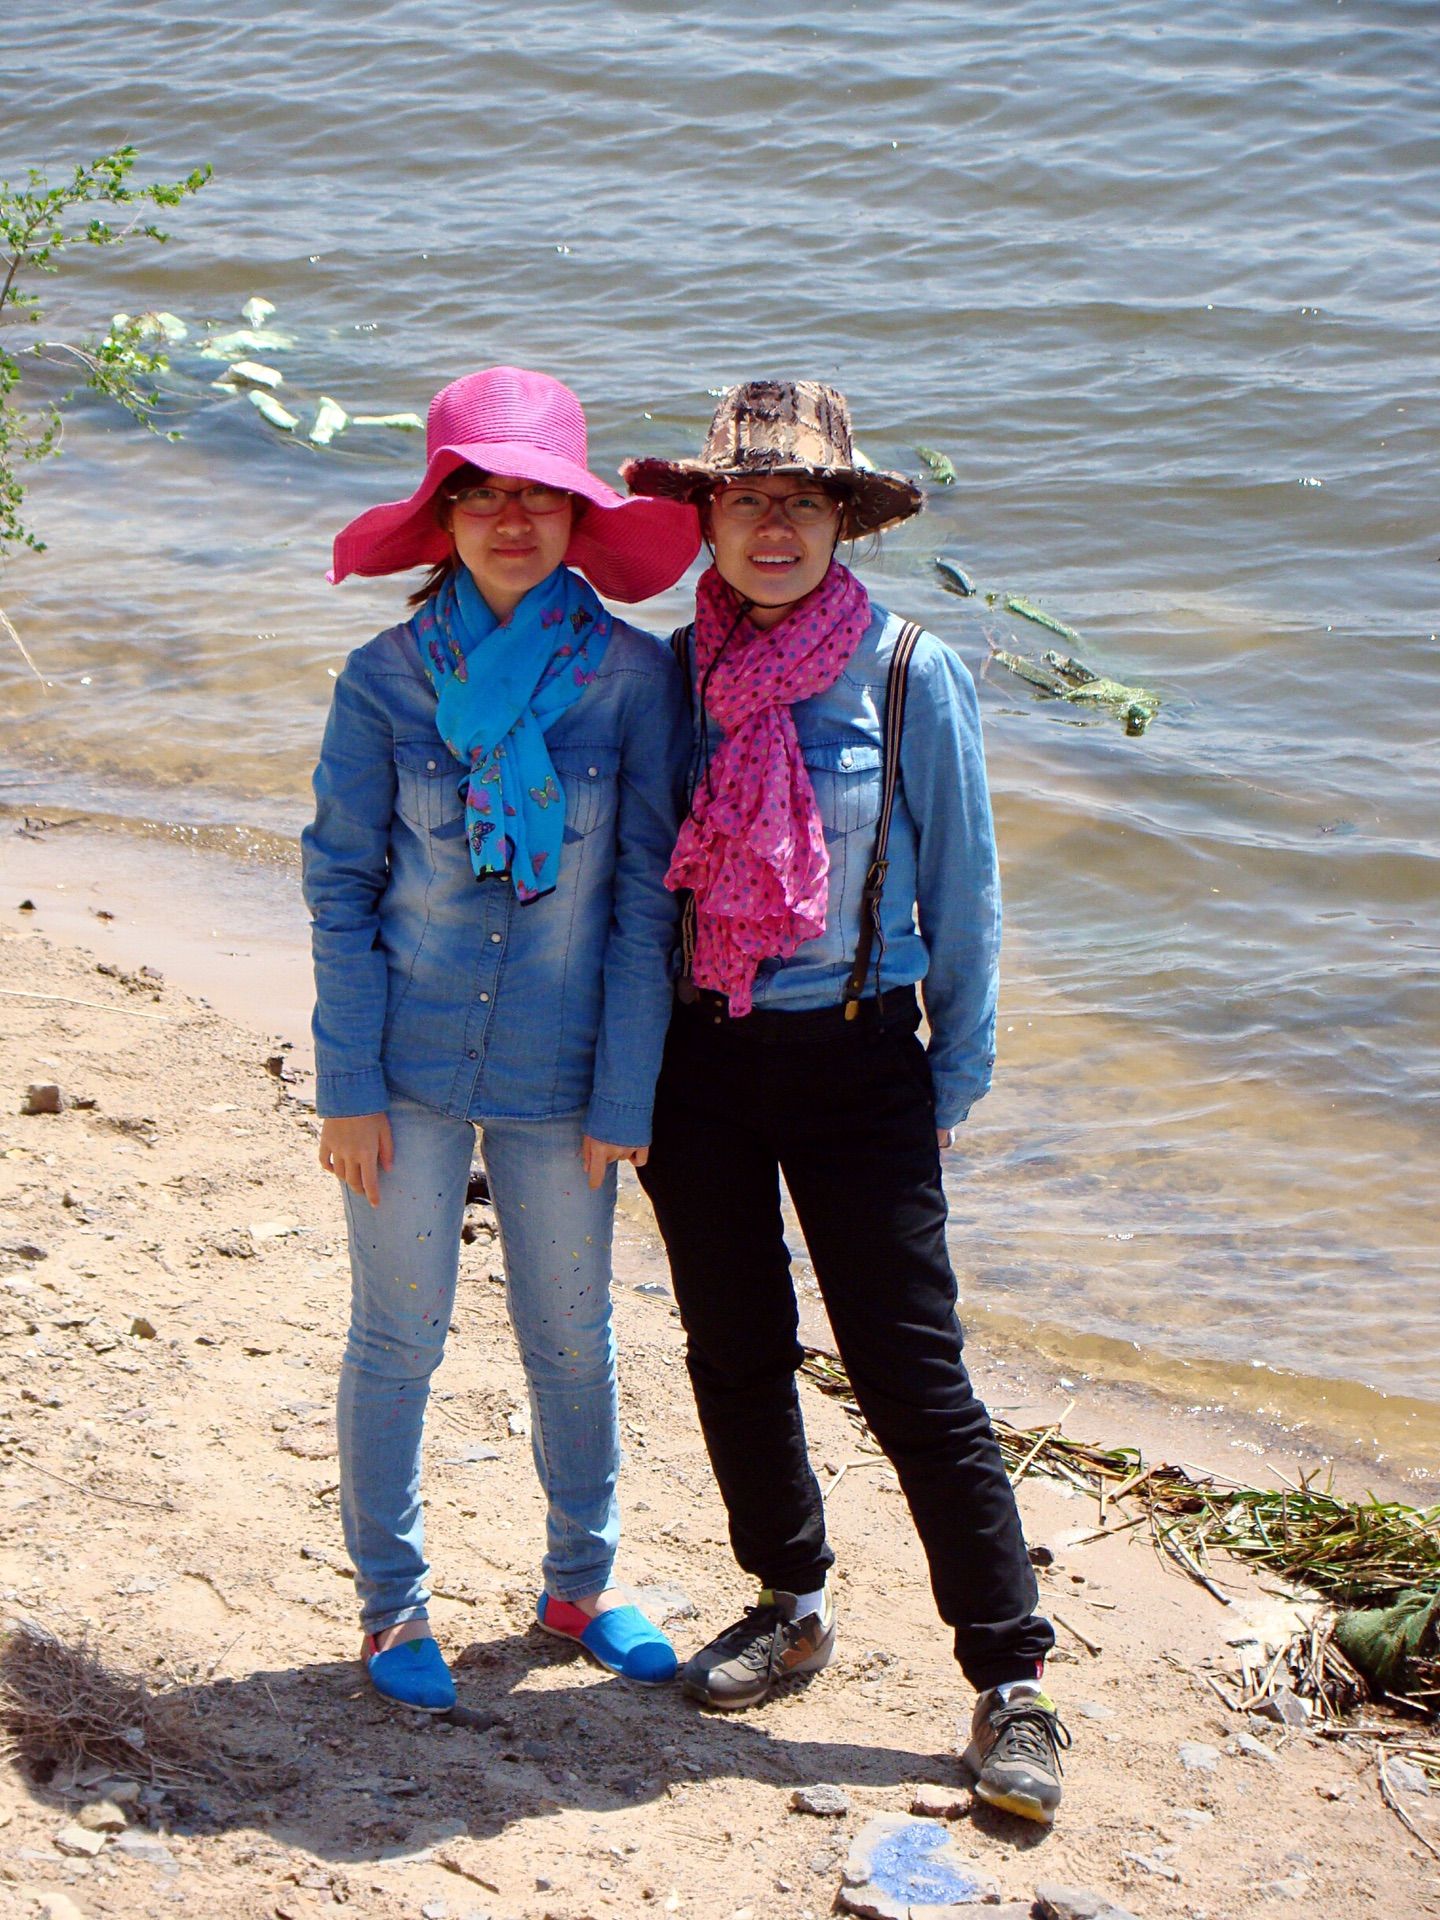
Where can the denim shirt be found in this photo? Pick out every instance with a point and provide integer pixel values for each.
(441, 988)
(940, 910)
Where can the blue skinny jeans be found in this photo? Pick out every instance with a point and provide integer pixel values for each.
(404, 1261)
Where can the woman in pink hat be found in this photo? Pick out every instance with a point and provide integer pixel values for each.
(496, 801)
(839, 863)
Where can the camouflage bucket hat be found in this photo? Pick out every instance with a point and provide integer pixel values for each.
(783, 426)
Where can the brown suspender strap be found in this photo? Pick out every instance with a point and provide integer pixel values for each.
(870, 933)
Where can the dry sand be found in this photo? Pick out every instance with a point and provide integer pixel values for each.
(172, 1307)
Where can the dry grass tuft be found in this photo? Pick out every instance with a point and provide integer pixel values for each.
(62, 1707)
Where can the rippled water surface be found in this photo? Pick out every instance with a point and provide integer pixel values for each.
(1163, 286)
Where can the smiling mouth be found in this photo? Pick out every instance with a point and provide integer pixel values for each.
(774, 561)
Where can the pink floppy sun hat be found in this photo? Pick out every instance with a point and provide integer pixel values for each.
(524, 426)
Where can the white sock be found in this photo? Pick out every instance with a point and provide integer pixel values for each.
(1007, 1687)
(810, 1603)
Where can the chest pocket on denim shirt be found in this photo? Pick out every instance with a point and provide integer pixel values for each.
(846, 779)
(589, 778)
(427, 785)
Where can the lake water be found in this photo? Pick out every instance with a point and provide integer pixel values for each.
(1162, 285)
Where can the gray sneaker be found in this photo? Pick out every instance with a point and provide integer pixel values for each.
(1014, 1751)
(741, 1665)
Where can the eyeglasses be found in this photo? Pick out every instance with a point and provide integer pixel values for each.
(748, 506)
(486, 501)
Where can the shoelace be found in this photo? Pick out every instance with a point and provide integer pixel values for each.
(1031, 1732)
(759, 1630)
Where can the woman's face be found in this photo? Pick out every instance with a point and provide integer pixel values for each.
(510, 551)
(772, 557)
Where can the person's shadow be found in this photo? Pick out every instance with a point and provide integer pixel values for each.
(313, 1755)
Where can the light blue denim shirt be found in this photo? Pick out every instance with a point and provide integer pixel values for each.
(444, 989)
(940, 911)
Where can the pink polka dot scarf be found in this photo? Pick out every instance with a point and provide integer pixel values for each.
(753, 848)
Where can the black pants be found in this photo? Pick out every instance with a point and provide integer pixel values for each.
(846, 1110)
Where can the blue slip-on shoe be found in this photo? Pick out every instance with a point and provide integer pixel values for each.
(621, 1639)
(412, 1674)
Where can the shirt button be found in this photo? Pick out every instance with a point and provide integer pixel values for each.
(494, 939)
(845, 758)
(430, 766)
(592, 771)
(484, 996)
(471, 1054)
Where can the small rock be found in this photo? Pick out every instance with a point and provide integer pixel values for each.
(142, 1328)
(932, 1802)
(472, 1456)
(434, 1910)
(1405, 1775)
(1197, 1757)
(274, 1229)
(1056, 1902)
(1333, 1792)
(54, 1905)
(42, 1097)
(653, 1287)
(101, 1816)
(1285, 1707)
(26, 1250)
(1091, 1710)
(519, 1421)
(78, 1839)
(26, 906)
(826, 1801)
(277, 1064)
(1253, 1749)
(145, 1847)
(1041, 1556)
(1151, 1863)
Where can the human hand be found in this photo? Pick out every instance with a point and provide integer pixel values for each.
(357, 1149)
(597, 1155)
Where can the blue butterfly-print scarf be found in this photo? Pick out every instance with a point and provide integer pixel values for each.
(499, 684)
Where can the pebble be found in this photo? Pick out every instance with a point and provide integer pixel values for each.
(829, 1802)
(101, 1816)
(1092, 1710)
(52, 1905)
(42, 1097)
(1405, 1775)
(1253, 1749)
(1056, 1902)
(1197, 1757)
(145, 1847)
(1285, 1707)
(933, 1802)
(77, 1839)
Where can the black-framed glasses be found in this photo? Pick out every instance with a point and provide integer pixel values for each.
(748, 506)
(485, 500)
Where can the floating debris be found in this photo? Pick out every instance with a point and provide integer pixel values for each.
(954, 576)
(165, 327)
(244, 340)
(401, 422)
(330, 419)
(269, 408)
(1065, 678)
(248, 373)
(942, 467)
(256, 310)
(1027, 610)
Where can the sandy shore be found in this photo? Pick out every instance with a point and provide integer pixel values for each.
(172, 1297)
